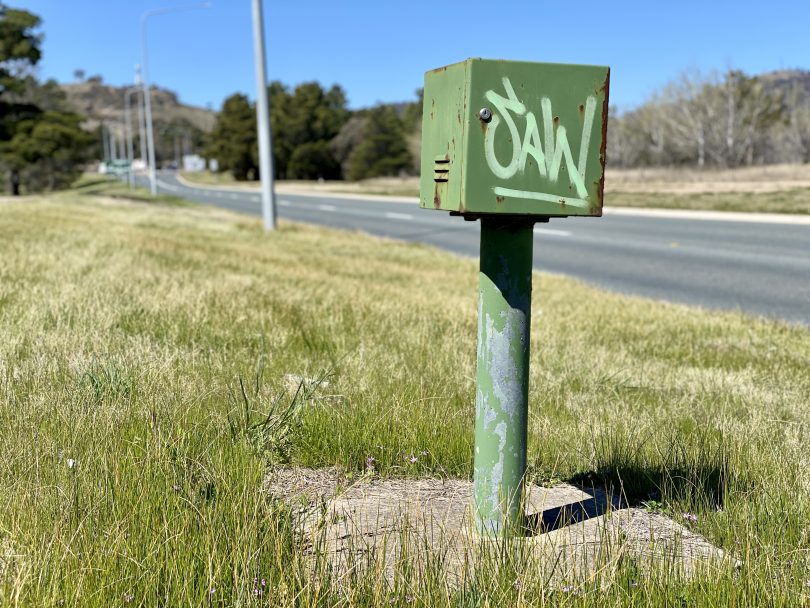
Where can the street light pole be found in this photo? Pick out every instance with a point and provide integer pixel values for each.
(141, 117)
(150, 138)
(128, 122)
(263, 122)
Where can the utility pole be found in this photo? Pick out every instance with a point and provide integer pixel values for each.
(263, 122)
(141, 117)
(128, 123)
(150, 138)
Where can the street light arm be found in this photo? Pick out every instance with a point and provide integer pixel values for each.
(172, 9)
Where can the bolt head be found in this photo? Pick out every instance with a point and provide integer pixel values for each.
(485, 114)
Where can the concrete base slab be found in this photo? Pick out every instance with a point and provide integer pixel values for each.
(571, 532)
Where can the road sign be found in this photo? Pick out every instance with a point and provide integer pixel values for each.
(117, 167)
(510, 143)
(514, 138)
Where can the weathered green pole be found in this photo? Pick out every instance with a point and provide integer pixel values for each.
(502, 377)
(510, 143)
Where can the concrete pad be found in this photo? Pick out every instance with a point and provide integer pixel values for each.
(572, 532)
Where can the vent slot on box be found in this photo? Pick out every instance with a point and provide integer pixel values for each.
(441, 168)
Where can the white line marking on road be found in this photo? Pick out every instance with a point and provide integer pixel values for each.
(285, 203)
(399, 216)
(327, 207)
(255, 199)
(551, 231)
(163, 184)
(234, 196)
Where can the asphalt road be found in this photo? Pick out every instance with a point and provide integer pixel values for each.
(759, 268)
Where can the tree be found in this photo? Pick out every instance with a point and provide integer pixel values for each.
(349, 137)
(383, 150)
(47, 150)
(233, 141)
(313, 160)
(308, 115)
(42, 145)
(19, 46)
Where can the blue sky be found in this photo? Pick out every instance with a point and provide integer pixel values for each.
(378, 51)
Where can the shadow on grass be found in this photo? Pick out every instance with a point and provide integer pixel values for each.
(628, 486)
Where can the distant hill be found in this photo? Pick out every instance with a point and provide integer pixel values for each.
(102, 103)
(788, 81)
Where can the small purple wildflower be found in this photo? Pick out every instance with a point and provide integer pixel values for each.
(413, 459)
(128, 597)
(176, 488)
(212, 591)
(690, 517)
(567, 589)
(423, 453)
(264, 582)
(518, 585)
(370, 460)
(408, 598)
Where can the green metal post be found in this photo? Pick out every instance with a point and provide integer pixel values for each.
(502, 378)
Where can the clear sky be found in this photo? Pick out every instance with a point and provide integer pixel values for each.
(379, 50)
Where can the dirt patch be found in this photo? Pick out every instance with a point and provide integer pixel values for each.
(572, 532)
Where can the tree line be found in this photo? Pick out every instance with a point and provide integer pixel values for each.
(316, 136)
(717, 120)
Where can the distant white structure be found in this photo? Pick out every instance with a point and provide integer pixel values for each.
(213, 165)
(193, 163)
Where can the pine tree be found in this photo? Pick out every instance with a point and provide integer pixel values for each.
(383, 149)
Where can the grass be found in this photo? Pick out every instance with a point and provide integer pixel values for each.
(786, 198)
(143, 354)
(794, 200)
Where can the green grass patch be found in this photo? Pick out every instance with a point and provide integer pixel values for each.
(143, 356)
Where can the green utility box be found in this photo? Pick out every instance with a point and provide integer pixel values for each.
(514, 138)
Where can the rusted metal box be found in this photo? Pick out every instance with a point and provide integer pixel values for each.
(515, 138)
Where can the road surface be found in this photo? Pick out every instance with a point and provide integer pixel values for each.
(759, 268)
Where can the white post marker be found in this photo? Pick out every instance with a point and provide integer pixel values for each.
(263, 122)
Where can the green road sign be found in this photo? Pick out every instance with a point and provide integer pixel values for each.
(511, 143)
(514, 138)
(117, 167)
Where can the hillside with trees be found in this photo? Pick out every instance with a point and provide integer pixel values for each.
(179, 128)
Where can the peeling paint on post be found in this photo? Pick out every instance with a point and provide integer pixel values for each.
(501, 402)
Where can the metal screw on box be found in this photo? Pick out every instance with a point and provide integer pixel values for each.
(535, 151)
